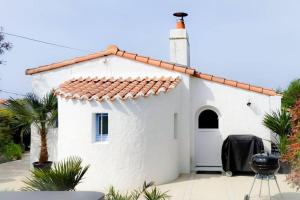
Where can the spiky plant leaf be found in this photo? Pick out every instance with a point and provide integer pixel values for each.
(63, 176)
(155, 194)
(278, 122)
(134, 195)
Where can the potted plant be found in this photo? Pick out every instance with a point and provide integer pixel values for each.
(279, 123)
(42, 114)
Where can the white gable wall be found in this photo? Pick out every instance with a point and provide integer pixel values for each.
(235, 117)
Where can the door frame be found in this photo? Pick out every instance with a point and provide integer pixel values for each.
(196, 130)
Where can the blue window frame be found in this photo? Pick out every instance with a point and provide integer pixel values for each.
(101, 126)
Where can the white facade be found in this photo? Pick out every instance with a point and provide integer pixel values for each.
(151, 138)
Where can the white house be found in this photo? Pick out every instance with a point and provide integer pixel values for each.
(134, 118)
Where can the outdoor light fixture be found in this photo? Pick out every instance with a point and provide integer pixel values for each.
(249, 103)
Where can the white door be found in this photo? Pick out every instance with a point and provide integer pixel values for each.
(208, 142)
(208, 148)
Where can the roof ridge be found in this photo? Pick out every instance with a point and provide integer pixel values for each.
(114, 50)
(232, 83)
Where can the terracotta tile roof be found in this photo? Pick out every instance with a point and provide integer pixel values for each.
(114, 50)
(2, 101)
(235, 84)
(111, 88)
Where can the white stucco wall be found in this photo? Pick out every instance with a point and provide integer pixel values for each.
(113, 66)
(235, 117)
(141, 144)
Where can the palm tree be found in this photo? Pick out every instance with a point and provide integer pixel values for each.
(39, 112)
(279, 123)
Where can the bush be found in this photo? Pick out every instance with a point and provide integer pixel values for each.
(12, 151)
(63, 176)
(5, 132)
(291, 95)
(293, 153)
(141, 193)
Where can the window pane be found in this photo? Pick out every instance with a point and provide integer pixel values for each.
(99, 124)
(208, 119)
(104, 124)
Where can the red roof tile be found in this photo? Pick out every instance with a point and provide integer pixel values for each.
(3, 101)
(114, 50)
(235, 84)
(110, 88)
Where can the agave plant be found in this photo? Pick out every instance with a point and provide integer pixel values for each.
(279, 123)
(63, 176)
(40, 112)
(154, 194)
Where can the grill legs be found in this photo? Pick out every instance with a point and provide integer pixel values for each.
(255, 177)
(269, 186)
(278, 186)
(260, 187)
(268, 177)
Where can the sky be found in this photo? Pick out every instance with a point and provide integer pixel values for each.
(253, 41)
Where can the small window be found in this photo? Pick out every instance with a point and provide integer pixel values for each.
(101, 126)
(175, 125)
(55, 125)
(208, 119)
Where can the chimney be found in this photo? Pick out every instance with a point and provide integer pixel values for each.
(179, 42)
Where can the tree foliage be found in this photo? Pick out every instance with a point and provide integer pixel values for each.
(5, 134)
(40, 112)
(278, 122)
(291, 94)
(4, 45)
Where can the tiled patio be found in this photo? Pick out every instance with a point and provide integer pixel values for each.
(186, 187)
(218, 187)
(12, 173)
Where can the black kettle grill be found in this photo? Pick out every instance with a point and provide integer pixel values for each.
(265, 166)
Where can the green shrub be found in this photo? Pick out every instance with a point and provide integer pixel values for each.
(137, 194)
(5, 132)
(63, 176)
(12, 151)
(291, 94)
(5, 137)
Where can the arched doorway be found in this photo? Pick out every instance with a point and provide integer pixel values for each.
(208, 140)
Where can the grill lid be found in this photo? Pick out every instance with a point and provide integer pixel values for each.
(263, 159)
(264, 163)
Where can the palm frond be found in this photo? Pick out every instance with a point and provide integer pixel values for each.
(156, 194)
(278, 122)
(41, 112)
(64, 176)
(116, 195)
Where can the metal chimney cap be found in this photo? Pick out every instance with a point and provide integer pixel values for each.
(180, 14)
